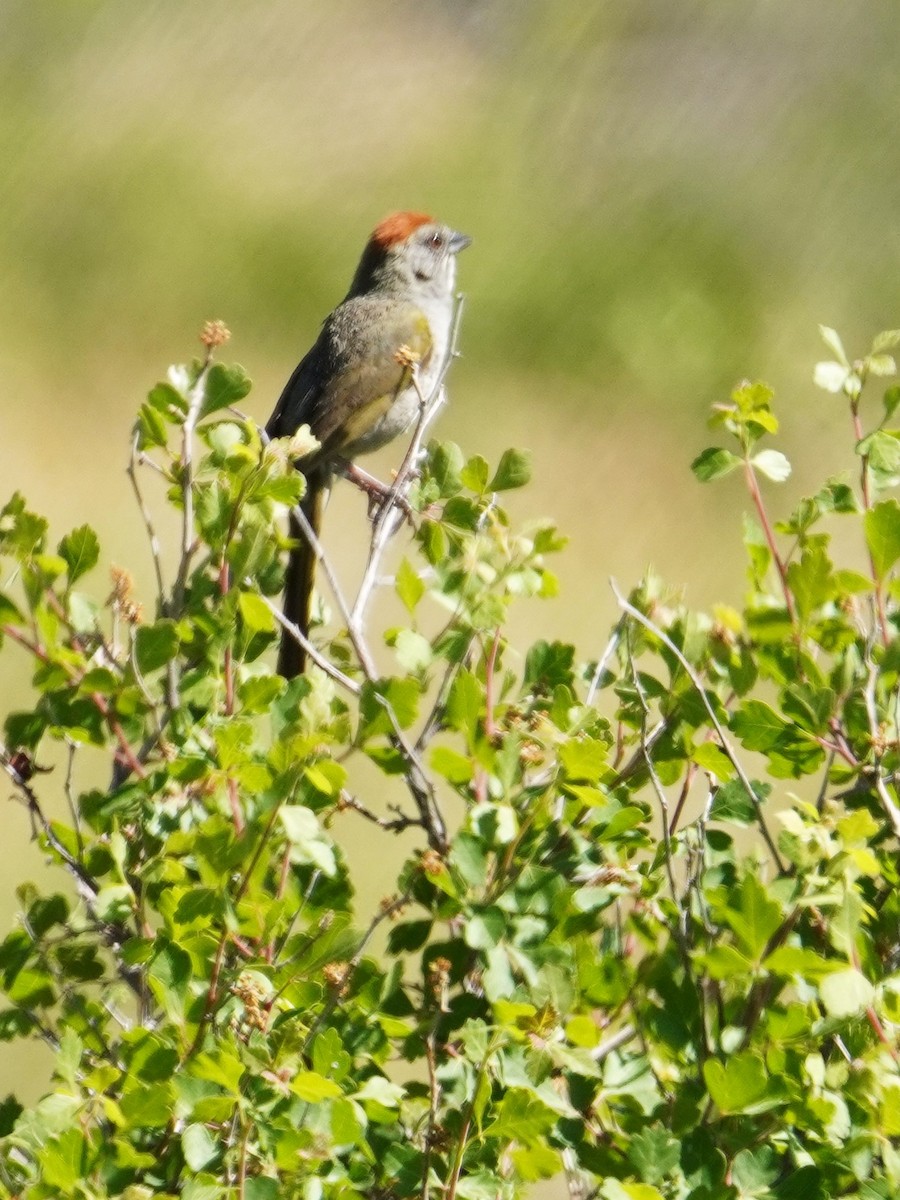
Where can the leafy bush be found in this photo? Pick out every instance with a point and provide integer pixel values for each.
(647, 939)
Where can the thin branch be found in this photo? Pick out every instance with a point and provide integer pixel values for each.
(759, 505)
(68, 788)
(385, 522)
(310, 649)
(394, 824)
(188, 539)
(600, 668)
(701, 691)
(891, 810)
(136, 459)
(881, 614)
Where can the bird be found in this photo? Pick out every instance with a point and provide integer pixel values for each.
(356, 388)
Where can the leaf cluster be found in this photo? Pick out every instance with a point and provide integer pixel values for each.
(645, 937)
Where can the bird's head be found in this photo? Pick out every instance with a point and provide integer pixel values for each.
(410, 251)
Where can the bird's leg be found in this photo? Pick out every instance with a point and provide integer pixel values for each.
(379, 493)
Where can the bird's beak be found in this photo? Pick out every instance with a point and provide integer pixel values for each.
(459, 241)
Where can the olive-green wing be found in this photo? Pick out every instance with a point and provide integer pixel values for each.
(354, 372)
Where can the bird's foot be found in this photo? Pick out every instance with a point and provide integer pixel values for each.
(379, 493)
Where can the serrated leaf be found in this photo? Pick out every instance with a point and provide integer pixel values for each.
(736, 1084)
(314, 1088)
(155, 645)
(882, 527)
(81, 550)
(753, 915)
(256, 614)
(513, 471)
(757, 725)
(713, 759)
(713, 463)
(408, 586)
(223, 386)
(475, 474)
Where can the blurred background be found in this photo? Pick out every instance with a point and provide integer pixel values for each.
(663, 198)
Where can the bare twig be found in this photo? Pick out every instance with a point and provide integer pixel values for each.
(394, 824)
(135, 460)
(759, 505)
(188, 539)
(600, 668)
(310, 649)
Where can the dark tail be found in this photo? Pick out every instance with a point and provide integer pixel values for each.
(301, 574)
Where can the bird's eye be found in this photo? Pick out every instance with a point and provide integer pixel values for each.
(436, 241)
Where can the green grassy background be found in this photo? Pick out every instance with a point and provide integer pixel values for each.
(663, 199)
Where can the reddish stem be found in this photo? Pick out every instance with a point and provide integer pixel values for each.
(867, 504)
(756, 497)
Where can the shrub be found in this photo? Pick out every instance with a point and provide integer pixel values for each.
(646, 938)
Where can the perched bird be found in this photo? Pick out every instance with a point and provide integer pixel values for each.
(354, 389)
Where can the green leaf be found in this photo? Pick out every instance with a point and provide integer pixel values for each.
(258, 693)
(714, 760)
(654, 1153)
(223, 386)
(413, 651)
(891, 399)
(753, 915)
(475, 474)
(346, 1127)
(882, 450)
(309, 842)
(155, 645)
(151, 428)
(445, 460)
(583, 759)
(262, 1187)
(314, 1088)
(881, 364)
(846, 993)
(738, 1083)
(757, 725)
(199, 1147)
(882, 526)
(732, 804)
(513, 471)
(464, 703)
(256, 614)
(81, 550)
(486, 928)
(454, 767)
(408, 585)
(713, 463)
(811, 580)
(378, 700)
(521, 1117)
(724, 962)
